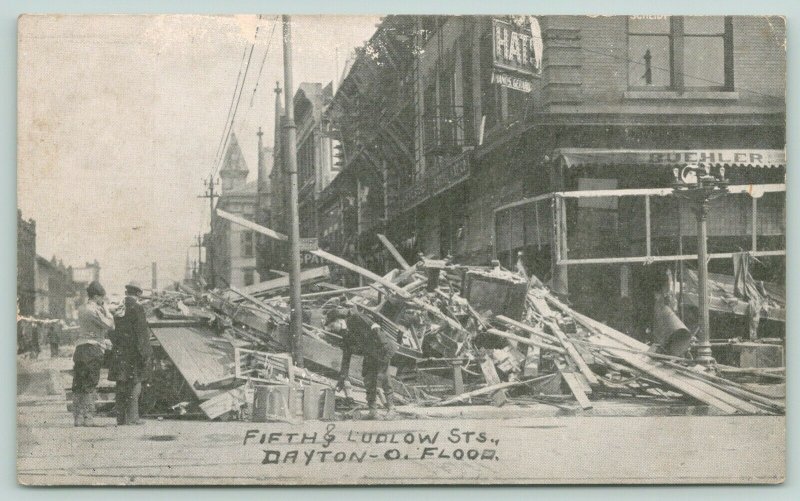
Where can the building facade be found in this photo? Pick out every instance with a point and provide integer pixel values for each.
(26, 265)
(57, 296)
(233, 247)
(315, 170)
(452, 125)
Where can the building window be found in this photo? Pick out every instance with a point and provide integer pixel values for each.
(680, 53)
(247, 243)
(249, 277)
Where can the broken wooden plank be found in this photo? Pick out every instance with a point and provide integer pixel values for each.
(577, 389)
(527, 328)
(251, 225)
(573, 353)
(487, 390)
(389, 285)
(490, 374)
(530, 367)
(231, 400)
(393, 251)
(526, 341)
(320, 273)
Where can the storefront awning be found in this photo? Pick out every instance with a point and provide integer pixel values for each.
(577, 157)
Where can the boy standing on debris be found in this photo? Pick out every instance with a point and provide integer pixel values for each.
(361, 336)
(132, 355)
(95, 322)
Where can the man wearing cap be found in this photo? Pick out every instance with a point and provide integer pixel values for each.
(362, 336)
(130, 365)
(95, 322)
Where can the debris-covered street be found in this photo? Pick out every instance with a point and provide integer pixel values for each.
(198, 452)
(441, 249)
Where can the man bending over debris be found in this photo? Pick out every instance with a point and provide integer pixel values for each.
(361, 336)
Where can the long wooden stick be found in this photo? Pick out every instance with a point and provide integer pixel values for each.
(389, 285)
(525, 340)
(393, 251)
(488, 389)
(527, 328)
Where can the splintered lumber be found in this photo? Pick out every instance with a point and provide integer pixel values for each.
(487, 390)
(267, 286)
(269, 309)
(573, 353)
(389, 285)
(731, 387)
(577, 389)
(251, 225)
(526, 341)
(527, 328)
(393, 251)
(700, 390)
(490, 373)
(231, 400)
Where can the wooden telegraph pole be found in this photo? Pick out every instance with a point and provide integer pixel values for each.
(294, 223)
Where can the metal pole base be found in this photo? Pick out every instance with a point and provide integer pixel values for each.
(704, 354)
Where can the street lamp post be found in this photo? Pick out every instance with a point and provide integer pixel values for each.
(700, 187)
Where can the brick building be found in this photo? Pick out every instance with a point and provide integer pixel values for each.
(453, 126)
(26, 265)
(233, 247)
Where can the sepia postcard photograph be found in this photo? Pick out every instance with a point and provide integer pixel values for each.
(268, 249)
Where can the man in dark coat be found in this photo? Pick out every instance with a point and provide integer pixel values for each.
(130, 365)
(362, 336)
(54, 337)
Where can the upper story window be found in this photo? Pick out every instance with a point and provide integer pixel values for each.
(680, 53)
(247, 243)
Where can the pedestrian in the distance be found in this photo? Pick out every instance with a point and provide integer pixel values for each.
(54, 337)
(95, 323)
(130, 365)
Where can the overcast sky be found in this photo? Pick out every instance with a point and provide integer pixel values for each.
(120, 119)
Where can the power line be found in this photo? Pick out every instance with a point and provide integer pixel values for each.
(264, 60)
(230, 109)
(236, 108)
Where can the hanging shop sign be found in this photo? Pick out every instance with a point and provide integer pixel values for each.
(518, 47)
(511, 81)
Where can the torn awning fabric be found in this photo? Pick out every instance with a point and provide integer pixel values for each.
(577, 157)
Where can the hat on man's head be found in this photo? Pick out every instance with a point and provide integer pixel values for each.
(95, 289)
(134, 286)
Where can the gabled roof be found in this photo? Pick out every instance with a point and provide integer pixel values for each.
(234, 160)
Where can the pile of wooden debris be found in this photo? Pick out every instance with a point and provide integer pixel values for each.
(467, 335)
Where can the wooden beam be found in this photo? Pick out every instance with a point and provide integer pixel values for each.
(486, 390)
(319, 273)
(527, 341)
(573, 353)
(393, 251)
(578, 390)
(389, 285)
(251, 225)
(527, 328)
(492, 379)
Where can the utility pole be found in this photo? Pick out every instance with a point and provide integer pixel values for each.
(210, 195)
(154, 282)
(199, 246)
(294, 224)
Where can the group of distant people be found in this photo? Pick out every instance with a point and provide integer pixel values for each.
(32, 332)
(123, 331)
